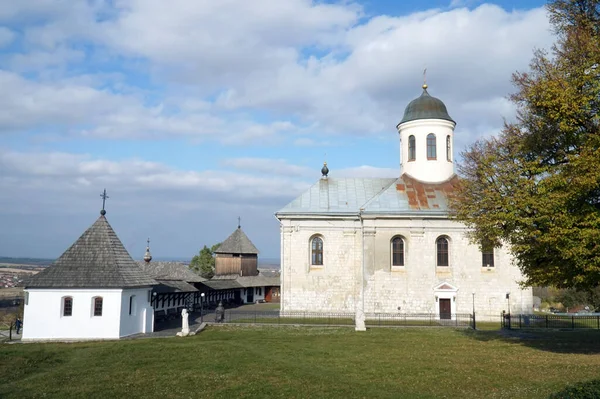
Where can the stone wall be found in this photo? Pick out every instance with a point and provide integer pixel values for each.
(337, 285)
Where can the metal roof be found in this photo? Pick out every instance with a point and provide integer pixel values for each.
(425, 107)
(405, 195)
(97, 259)
(237, 243)
(243, 282)
(337, 195)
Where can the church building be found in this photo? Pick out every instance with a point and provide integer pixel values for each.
(388, 245)
(94, 290)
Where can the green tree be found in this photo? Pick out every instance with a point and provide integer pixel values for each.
(536, 187)
(204, 262)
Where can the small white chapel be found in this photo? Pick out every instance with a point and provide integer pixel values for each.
(94, 290)
(388, 245)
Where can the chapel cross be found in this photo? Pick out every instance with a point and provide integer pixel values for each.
(239, 222)
(104, 198)
(148, 241)
(425, 77)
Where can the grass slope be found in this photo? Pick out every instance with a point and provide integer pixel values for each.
(251, 362)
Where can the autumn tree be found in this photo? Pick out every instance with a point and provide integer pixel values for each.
(536, 186)
(204, 262)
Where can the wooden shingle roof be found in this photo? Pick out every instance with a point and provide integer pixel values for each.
(97, 259)
(237, 243)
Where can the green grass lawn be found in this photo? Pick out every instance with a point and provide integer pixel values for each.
(302, 362)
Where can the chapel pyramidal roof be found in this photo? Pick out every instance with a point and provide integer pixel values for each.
(97, 259)
(237, 243)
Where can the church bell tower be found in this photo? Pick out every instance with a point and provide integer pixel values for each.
(427, 140)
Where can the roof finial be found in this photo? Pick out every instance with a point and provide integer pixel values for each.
(147, 255)
(239, 222)
(425, 79)
(324, 169)
(104, 198)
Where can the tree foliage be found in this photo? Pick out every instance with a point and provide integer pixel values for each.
(204, 262)
(536, 187)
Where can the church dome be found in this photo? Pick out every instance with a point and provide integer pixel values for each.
(425, 107)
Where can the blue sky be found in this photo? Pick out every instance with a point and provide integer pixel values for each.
(192, 113)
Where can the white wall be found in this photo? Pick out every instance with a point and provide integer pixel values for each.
(421, 168)
(141, 317)
(257, 296)
(43, 318)
(338, 284)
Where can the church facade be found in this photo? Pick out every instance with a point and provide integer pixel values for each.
(377, 245)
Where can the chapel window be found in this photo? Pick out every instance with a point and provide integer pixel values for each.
(431, 151)
(132, 305)
(448, 149)
(411, 148)
(67, 306)
(487, 255)
(98, 306)
(397, 251)
(317, 251)
(442, 251)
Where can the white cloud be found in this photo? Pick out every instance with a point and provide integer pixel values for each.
(269, 167)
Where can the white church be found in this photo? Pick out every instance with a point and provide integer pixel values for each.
(387, 245)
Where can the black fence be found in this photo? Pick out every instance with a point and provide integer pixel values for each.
(348, 319)
(550, 321)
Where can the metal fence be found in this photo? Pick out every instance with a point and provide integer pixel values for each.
(348, 319)
(550, 321)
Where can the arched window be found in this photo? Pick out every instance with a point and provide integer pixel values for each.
(448, 149)
(442, 251)
(67, 306)
(431, 152)
(397, 251)
(316, 251)
(487, 255)
(412, 152)
(97, 306)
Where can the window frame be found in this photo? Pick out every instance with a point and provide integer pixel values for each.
(442, 254)
(64, 300)
(448, 149)
(95, 308)
(315, 252)
(431, 147)
(487, 255)
(412, 148)
(132, 307)
(402, 251)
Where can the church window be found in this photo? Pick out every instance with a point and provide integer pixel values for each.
(98, 306)
(487, 255)
(67, 306)
(431, 151)
(397, 251)
(442, 251)
(411, 148)
(448, 149)
(316, 251)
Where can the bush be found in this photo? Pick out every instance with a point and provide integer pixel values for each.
(582, 390)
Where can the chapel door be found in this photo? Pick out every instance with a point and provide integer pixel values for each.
(445, 309)
(250, 294)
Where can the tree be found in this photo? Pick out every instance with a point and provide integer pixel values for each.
(204, 262)
(536, 187)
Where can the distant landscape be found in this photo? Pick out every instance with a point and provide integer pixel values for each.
(29, 263)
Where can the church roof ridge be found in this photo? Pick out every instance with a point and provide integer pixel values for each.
(97, 259)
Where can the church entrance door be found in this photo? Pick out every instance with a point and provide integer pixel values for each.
(445, 309)
(250, 294)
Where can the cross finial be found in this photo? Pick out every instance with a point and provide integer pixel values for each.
(425, 79)
(104, 198)
(148, 241)
(239, 222)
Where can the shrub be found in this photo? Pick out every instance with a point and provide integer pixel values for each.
(582, 390)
